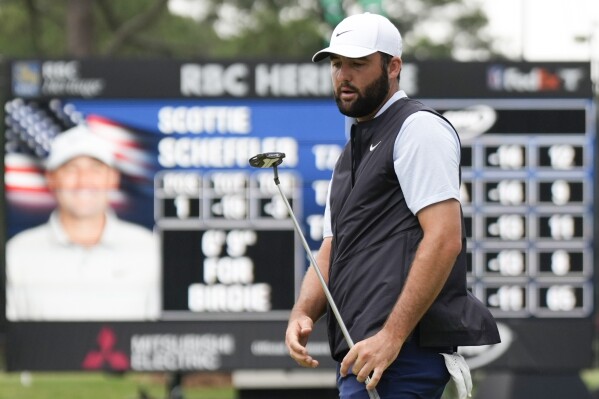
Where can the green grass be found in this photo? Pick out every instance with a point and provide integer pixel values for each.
(98, 386)
(130, 386)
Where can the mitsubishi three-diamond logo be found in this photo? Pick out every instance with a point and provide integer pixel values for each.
(107, 356)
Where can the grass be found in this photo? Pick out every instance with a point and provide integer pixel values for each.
(137, 385)
(99, 386)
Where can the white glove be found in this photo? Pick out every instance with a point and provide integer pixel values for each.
(460, 374)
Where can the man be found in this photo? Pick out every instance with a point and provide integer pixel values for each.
(84, 263)
(394, 249)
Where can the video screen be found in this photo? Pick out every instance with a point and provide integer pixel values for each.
(184, 228)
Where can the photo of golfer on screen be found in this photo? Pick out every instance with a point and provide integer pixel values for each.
(84, 263)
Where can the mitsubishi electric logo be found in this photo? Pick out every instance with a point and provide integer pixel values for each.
(106, 356)
(537, 80)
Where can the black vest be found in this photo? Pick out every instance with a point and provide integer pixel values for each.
(375, 237)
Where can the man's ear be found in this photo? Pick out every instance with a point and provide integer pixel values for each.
(395, 67)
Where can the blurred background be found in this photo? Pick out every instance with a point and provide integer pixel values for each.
(530, 30)
(515, 32)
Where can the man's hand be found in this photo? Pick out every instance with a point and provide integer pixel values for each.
(371, 357)
(310, 306)
(296, 339)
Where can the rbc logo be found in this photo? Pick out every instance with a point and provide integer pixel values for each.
(26, 79)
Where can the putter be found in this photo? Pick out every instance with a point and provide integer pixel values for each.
(272, 160)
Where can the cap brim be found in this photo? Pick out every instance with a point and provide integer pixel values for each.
(344, 51)
(54, 163)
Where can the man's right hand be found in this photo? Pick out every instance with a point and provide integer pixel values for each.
(296, 338)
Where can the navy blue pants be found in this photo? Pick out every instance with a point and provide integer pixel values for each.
(416, 373)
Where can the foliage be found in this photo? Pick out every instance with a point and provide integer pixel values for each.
(228, 29)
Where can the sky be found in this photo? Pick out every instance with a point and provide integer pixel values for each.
(545, 30)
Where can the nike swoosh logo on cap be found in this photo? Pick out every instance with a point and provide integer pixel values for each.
(345, 31)
(372, 147)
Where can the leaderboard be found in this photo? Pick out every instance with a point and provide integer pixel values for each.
(527, 193)
(232, 262)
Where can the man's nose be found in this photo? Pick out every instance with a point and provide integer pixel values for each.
(344, 73)
(83, 179)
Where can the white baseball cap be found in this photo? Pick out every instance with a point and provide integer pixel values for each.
(361, 35)
(78, 141)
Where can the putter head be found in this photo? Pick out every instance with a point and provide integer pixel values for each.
(267, 159)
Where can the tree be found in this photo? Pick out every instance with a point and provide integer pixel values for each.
(50, 28)
(430, 28)
(442, 29)
(228, 29)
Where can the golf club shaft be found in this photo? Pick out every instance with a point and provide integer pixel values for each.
(372, 393)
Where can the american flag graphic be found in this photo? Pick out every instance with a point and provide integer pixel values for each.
(30, 129)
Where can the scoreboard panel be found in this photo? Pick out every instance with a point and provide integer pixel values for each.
(528, 202)
(218, 231)
(231, 262)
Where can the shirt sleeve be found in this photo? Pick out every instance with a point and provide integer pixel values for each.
(426, 158)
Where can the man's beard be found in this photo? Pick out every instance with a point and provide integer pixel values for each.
(364, 105)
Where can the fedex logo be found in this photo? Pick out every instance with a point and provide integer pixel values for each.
(539, 79)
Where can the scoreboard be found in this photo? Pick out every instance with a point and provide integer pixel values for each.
(220, 229)
(231, 262)
(527, 194)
